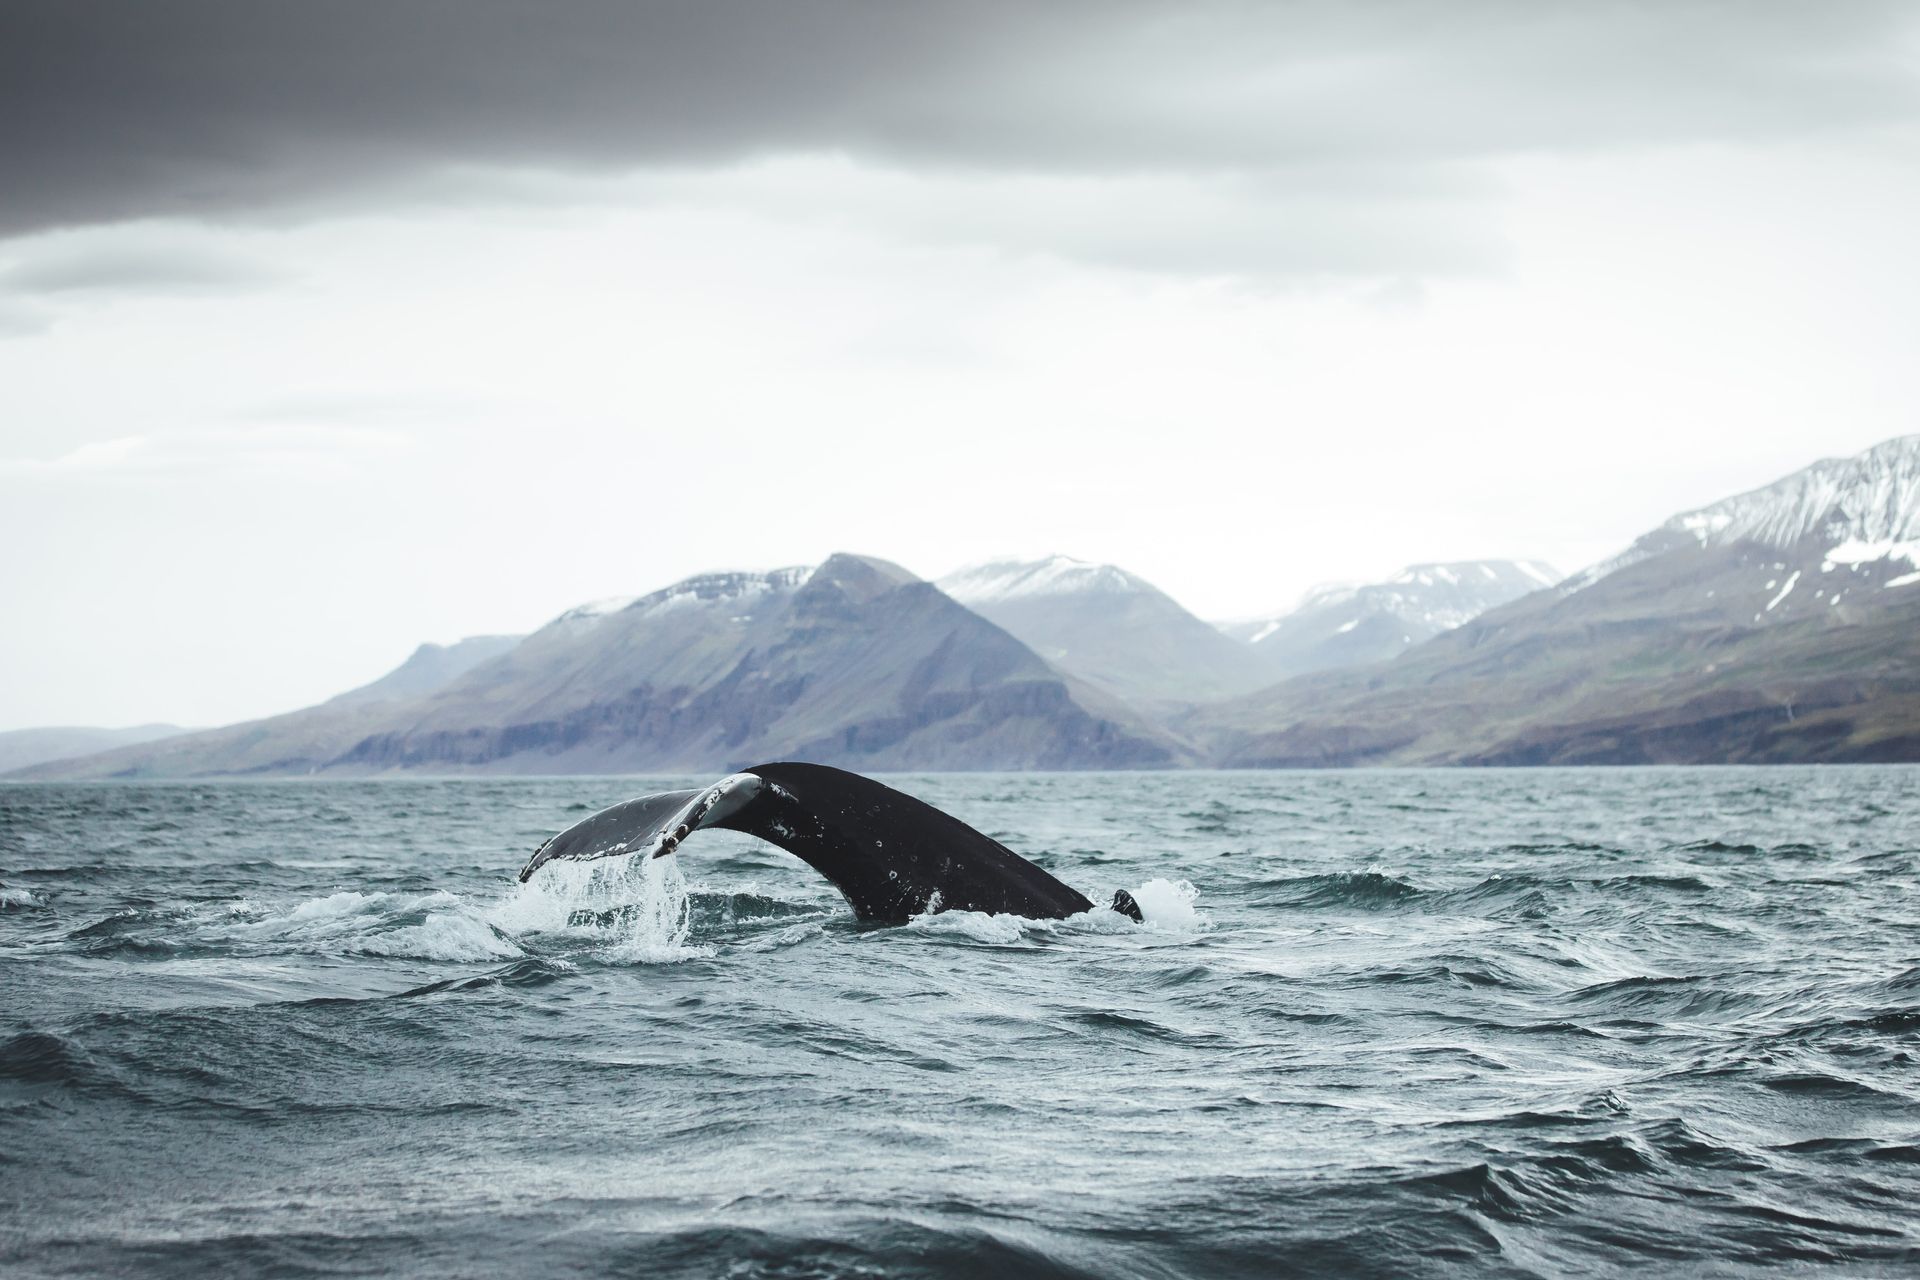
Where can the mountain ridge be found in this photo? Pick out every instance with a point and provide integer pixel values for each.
(1339, 625)
(1703, 643)
(1781, 624)
(1109, 627)
(854, 661)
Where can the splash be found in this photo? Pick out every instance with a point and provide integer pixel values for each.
(632, 910)
(973, 926)
(1167, 905)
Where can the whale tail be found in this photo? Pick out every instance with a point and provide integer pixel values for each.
(890, 855)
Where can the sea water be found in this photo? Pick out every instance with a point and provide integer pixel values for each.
(1375, 1023)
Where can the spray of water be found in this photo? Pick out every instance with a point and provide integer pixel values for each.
(632, 910)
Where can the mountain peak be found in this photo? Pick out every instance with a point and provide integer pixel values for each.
(726, 584)
(429, 667)
(1472, 573)
(1340, 625)
(1111, 628)
(1054, 575)
(1850, 510)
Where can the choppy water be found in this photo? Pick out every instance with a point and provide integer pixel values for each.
(1505, 1023)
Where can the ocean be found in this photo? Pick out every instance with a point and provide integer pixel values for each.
(1396, 1023)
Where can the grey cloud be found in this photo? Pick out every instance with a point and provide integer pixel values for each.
(139, 266)
(1317, 220)
(215, 107)
(390, 409)
(18, 320)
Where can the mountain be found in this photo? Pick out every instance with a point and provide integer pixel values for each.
(1348, 626)
(1861, 513)
(20, 748)
(1112, 629)
(431, 667)
(1778, 625)
(854, 662)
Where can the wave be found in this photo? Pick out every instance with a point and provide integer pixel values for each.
(1668, 997)
(623, 914)
(617, 910)
(1366, 889)
(1167, 908)
(1852, 1150)
(1824, 1084)
(520, 975)
(429, 926)
(40, 1057)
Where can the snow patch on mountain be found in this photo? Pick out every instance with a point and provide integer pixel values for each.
(1860, 509)
(707, 588)
(1856, 551)
(593, 610)
(1341, 624)
(1000, 580)
(701, 588)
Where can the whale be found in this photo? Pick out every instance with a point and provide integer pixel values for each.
(890, 855)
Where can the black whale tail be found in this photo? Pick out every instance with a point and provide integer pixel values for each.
(892, 856)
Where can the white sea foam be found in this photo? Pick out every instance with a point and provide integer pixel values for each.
(623, 909)
(426, 926)
(17, 898)
(441, 936)
(974, 926)
(1167, 905)
(780, 939)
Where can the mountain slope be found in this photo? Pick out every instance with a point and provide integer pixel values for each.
(1111, 628)
(855, 662)
(20, 748)
(1348, 626)
(430, 667)
(1855, 511)
(1779, 625)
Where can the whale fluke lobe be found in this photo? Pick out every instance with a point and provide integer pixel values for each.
(891, 855)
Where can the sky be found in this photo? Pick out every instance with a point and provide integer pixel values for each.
(326, 330)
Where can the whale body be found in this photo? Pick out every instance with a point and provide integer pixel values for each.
(890, 855)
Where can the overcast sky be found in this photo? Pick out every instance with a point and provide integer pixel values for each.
(329, 328)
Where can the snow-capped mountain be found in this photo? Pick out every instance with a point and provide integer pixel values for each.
(1777, 625)
(1109, 627)
(998, 581)
(1859, 516)
(1341, 625)
(703, 589)
(853, 661)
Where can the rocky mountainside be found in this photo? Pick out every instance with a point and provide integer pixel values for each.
(855, 662)
(20, 748)
(1348, 626)
(1109, 627)
(1779, 625)
(1858, 512)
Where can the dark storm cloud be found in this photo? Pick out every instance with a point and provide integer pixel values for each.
(212, 107)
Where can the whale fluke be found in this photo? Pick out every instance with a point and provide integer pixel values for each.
(891, 855)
